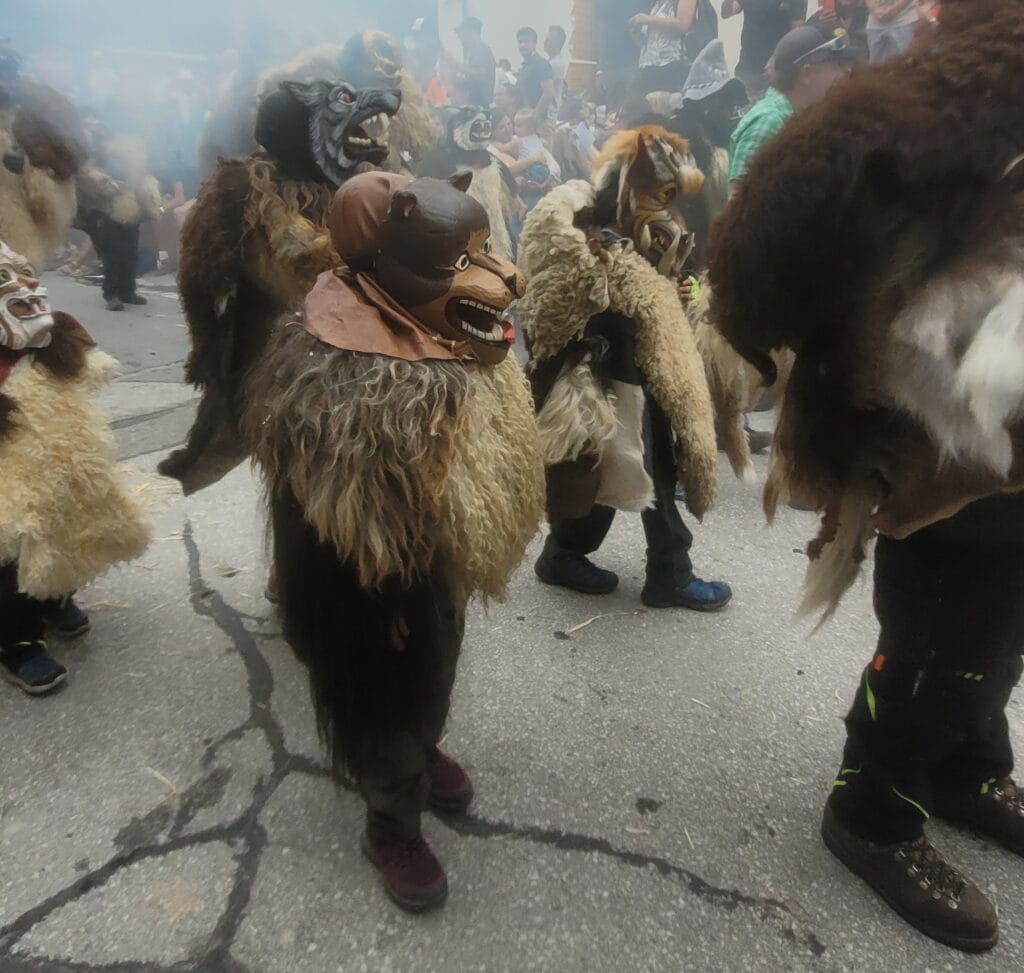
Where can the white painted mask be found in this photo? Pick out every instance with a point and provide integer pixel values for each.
(25, 317)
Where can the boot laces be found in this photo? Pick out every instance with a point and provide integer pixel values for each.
(1007, 792)
(931, 870)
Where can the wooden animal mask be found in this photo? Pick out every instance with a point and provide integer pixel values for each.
(651, 169)
(435, 260)
(25, 317)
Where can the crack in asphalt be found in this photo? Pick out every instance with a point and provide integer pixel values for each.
(160, 832)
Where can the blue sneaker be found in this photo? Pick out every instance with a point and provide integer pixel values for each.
(698, 595)
(28, 666)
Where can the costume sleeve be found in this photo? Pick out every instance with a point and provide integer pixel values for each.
(749, 142)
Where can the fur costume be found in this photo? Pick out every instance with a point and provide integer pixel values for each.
(881, 237)
(65, 515)
(467, 135)
(400, 484)
(42, 146)
(255, 242)
(368, 60)
(586, 417)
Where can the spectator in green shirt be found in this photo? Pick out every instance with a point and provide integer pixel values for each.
(807, 62)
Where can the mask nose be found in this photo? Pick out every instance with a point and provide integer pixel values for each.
(516, 283)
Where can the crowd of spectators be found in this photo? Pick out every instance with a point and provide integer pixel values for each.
(548, 122)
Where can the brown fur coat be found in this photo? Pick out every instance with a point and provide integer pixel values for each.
(567, 285)
(881, 237)
(253, 244)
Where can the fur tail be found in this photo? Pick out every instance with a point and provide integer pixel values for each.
(836, 563)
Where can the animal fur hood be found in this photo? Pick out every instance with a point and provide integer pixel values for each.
(65, 513)
(568, 283)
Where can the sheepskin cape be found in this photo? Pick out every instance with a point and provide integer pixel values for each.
(399, 464)
(65, 513)
(582, 418)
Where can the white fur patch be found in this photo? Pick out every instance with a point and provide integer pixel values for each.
(625, 483)
(958, 365)
(576, 417)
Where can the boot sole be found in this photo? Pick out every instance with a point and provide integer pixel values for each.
(450, 806)
(30, 689)
(69, 633)
(409, 905)
(836, 844)
(705, 608)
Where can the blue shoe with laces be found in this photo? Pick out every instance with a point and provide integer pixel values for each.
(698, 595)
(28, 666)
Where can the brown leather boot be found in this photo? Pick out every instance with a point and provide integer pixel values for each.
(995, 810)
(919, 885)
(412, 875)
(451, 790)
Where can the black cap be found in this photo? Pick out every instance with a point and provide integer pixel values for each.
(809, 45)
(471, 23)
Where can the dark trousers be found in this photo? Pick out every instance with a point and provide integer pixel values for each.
(21, 617)
(668, 538)
(929, 715)
(118, 248)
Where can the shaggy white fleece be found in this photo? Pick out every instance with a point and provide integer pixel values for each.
(65, 512)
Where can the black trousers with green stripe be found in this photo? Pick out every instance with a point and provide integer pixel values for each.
(929, 714)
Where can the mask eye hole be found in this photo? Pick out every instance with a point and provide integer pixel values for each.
(5, 276)
(345, 96)
(667, 195)
(463, 262)
(487, 245)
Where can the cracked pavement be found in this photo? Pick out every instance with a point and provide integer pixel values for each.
(649, 785)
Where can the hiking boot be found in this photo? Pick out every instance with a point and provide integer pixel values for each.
(451, 790)
(134, 298)
(412, 875)
(28, 666)
(114, 304)
(919, 885)
(575, 571)
(995, 810)
(64, 618)
(698, 595)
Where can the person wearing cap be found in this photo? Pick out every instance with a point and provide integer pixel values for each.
(706, 113)
(765, 23)
(475, 74)
(806, 65)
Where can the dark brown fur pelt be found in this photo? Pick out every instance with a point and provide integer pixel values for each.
(874, 236)
(252, 245)
(905, 145)
(380, 661)
(69, 344)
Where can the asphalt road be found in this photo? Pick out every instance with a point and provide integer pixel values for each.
(649, 783)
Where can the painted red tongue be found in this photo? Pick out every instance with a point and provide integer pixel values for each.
(508, 331)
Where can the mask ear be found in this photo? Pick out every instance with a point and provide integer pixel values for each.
(461, 180)
(309, 93)
(402, 205)
(641, 170)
